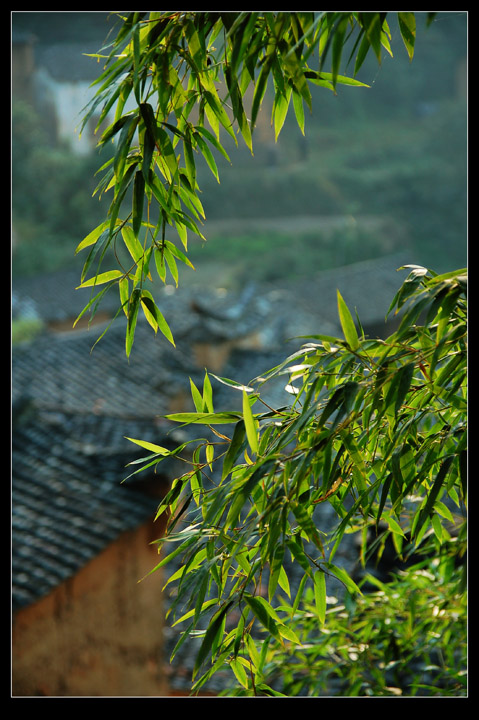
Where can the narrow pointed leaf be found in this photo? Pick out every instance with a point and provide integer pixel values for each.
(319, 579)
(250, 425)
(212, 636)
(101, 279)
(138, 199)
(347, 324)
(150, 446)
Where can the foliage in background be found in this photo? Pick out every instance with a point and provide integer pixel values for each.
(376, 428)
(51, 196)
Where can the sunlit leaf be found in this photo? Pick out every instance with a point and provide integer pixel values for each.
(407, 27)
(250, 425)
(102, 278)
(205, 418)
(347, 323)
(320, 594)
(150, 446)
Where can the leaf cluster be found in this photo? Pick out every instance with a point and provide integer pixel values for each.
(376, 428)
(173, 83)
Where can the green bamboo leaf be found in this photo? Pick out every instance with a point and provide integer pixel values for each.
(132, 243)
(288, 633)
(325, 79)
(178, 254)
(296, 548)
(113, 129)
(343, 576)
(160, 264)
(133, 307)
(407, 27)
(197, 398)
(428, 508)
(101, 279)
(275, 570)
(319, 580)
(251, 431)
(399, 387)
(237, 444)
(242, 493)
(204, 418)
(280, 110)
(124, 143)
(99, 249)
(213, 636)
(263, 611)
(138, 199)
(123, 287)
(212, 140)
(189, 158)
(121, 190)
(307, 525)
(394, 525)
(347, 324)
(167, 155)
(208, 156)
(220, 113)
(260, 90)
(239, 672)
(207, 395)
(171, 262)
(154, 314)
(337, 46)
(92, 237)
(158, 449)
(94, 300)
(298, 110)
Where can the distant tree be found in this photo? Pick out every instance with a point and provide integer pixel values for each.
(376, 428)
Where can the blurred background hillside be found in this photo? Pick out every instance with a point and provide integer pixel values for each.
(380, 170)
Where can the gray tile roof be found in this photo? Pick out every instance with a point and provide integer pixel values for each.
(68, 500)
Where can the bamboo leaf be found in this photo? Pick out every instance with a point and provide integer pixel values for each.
(275, 570)
(154, 313)
(207, 395)
(319, 580)
(138, 199)
(158, 449)
(428, 508)
(347, 324)
(236, 446)
(92, 237)
(343, 576)
(213, 635)
(124, 143)
(197, 398)
(280, 111)
(171, 262)
(251, 431)
(204, 418)
(132, 243)
(133, 308)
(407, 27)
(101, 279)
(263, 611)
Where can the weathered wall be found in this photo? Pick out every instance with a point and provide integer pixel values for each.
(98, 634)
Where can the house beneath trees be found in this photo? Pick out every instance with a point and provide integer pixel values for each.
(88, 620)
